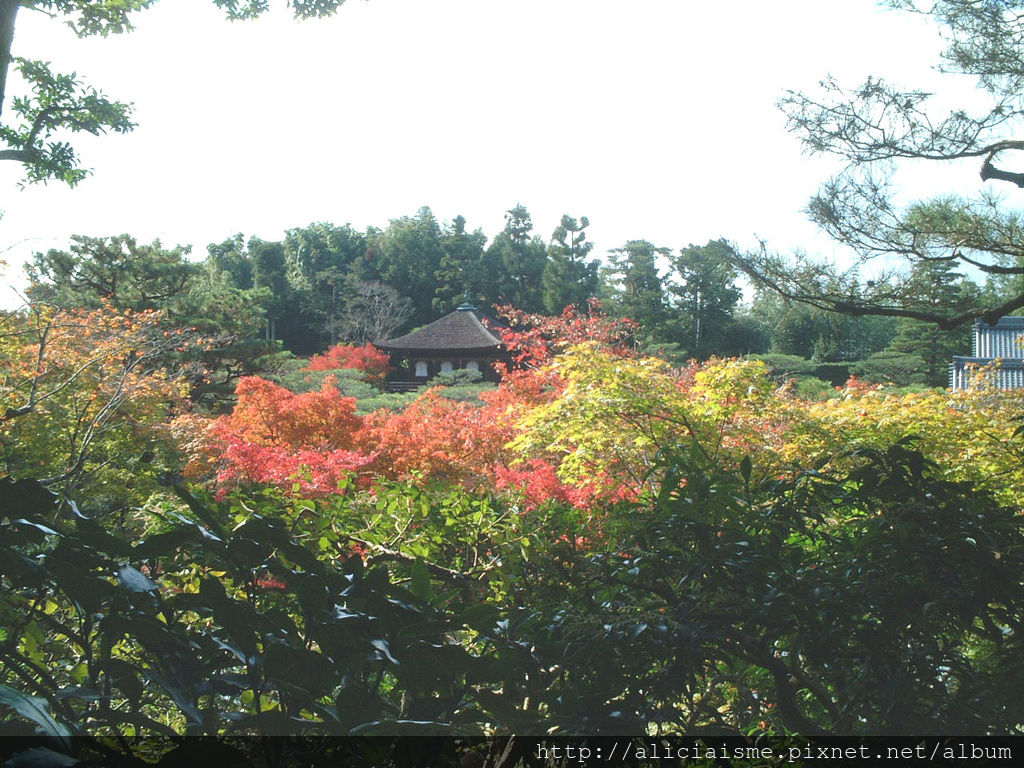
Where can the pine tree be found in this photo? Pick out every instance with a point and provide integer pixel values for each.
(568, 279)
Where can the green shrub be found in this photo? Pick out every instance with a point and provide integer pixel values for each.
(811, 388)
(894, 368)
(457, 377)
(786, 366)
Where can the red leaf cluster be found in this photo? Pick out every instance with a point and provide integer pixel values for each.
(371, 361)
(277, 437)
(437, 438)
(268, 414)
(533, 340)
(537, 482)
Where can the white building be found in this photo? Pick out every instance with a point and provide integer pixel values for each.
(1000, 346)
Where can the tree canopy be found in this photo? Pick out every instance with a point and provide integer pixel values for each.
(879, 128)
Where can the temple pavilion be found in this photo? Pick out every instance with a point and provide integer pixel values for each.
(997, 348)
(458, 341)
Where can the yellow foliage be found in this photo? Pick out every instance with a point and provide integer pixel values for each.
(969, 435)
(84, 395)
(616, 415)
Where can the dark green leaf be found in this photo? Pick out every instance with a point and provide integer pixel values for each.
(25, 497)
(420, 582)
(134, 580)
(37, 710)
(383, 647)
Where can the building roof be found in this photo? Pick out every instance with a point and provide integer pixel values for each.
(462, 329)
(1007, 321)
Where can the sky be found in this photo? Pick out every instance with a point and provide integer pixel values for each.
(656, 119)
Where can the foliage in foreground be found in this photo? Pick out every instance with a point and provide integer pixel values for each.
(752, 563)
(202, 629)
(882, 600)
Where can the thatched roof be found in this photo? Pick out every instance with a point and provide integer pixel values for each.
(461, 330)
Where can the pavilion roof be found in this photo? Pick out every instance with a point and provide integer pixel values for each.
(462, 329)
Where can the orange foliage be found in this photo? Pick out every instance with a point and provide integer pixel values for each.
(196, 439)
(278, 437)
(270, 415)
(534, 340)
(437, 438)
(371, 361)
(82, 391)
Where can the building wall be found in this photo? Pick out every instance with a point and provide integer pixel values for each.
(1002, 344)
(1008, 374)
(998, 342)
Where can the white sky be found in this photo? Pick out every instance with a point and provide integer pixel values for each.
(656, 119)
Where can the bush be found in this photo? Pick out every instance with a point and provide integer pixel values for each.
(810, 388)
(892, 368)
(881, 601)
(225, 623)
(835, 374)
(391, 401)
(457, 377)
(373, 363)
(786, 366)
(348, 381)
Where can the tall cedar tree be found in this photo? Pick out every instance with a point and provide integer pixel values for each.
(569, 280)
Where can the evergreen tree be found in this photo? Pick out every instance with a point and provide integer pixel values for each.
(568, 278)
(800, 329)
(706, 295)
(633, 288)
(1001, 289)
(514, 264)
(460, 271)
(318, 258)
(270, 273)
(936, 285)
(872, 126)
(117, 270)
(407, 256)
(232, 258)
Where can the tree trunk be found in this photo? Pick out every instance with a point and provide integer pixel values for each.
(8, 10)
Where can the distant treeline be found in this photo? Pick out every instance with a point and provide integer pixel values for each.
(324, 283)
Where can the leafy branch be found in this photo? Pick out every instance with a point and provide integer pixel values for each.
(58, 103)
